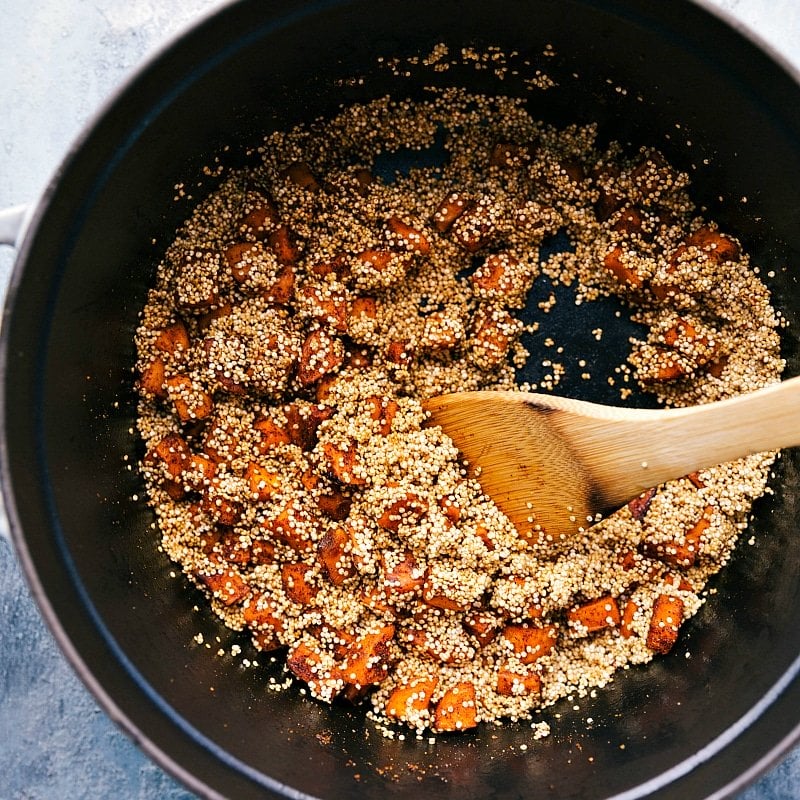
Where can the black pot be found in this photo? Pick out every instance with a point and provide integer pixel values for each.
(692, 727)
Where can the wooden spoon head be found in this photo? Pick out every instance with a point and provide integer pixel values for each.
(509, 444)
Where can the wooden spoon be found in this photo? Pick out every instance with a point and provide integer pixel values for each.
(553, 464)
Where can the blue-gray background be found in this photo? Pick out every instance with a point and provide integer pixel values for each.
(59, 59)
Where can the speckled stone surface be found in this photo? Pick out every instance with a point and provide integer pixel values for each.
(58, 62)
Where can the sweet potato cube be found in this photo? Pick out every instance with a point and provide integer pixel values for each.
(456, 710)
(483, 625)
(399, 352)
(368, 660)
(494, 277)
(322, 676)
(173, 451)
(299, 173)
(375, 599)
(382, 410)
(401, 576)
(221, 508)
(364, 306)
(262, 551)
(476, 227)
(262, 482)
(450, 508)
(225, 583)
(664, 623)
(282, 290)
(259, 217)
(629, 221)
(320, 355)
(173, 339)
(626, 624)
(153, 377)
(302, 423)
(614, 262)
(681, 554)
(449, 210)
(433, 595)
(511, 683)
(406, 237)
(326, 306)
(408, 510)
(640, 505)
(272, 435)
(234, 549)
(530, 642)
(191, 401)
(335, 505)
(407, 698)
(332, 553)
(596, 615)
(282, 242)
(287, 527)
(342, 461)
(298, 583)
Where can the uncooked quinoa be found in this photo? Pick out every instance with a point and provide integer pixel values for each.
(307, 308)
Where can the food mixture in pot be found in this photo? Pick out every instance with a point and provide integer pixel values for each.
(308, 307)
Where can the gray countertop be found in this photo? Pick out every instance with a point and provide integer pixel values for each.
(58, 62)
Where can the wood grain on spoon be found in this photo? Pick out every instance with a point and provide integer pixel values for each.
(552, 464)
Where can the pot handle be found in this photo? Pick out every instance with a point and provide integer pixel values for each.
(11, 224)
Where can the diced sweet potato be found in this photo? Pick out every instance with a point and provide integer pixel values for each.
(323, 679)
(456, 710)
(492, 335)
(282, 290)
(265, 641)
(342, 461)
(320, 355)
(174, 452)
(368, 661)
(405, 237)
(399, 352)
(510, 683)
(596, 615)
(173, 339)
(640, 505)
(530, 642)
(681, 554)
(222, 509)
(476, 227)
(262, 551)
(410, 698)
(332, 553)
(483, 625)
(191, 401)
(262, 482)
(401, 573)
(240, 258)
(258, 218)
(716, 246)
(288, 527)
(326, 305)
(283, 243)
(303, 421)
(508, 154)
(225, 583)
(494, 277)
(434, 594)
(334, 504)
(298, 583)
(261, 613)
(614, 262)
(664, 623)
(358, 358)
(272, 435)
(449, 210)
(153, 378)
(235, 549)
(629, 221)
(450, 508)
(375, 599)
(364, 306)
(383, 410)
(299, 173)
(408, 510)
(333, 639)
(626, 623)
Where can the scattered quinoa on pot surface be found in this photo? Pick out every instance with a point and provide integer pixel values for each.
(307, 308)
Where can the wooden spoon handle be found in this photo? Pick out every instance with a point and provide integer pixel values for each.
(654, 446)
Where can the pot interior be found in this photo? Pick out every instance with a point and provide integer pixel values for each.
(662, 75)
